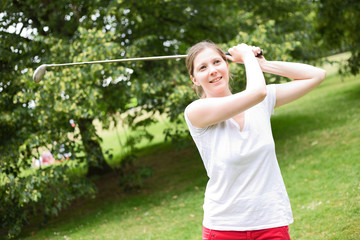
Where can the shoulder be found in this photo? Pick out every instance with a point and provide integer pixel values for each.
(189, 111)
(192, 107)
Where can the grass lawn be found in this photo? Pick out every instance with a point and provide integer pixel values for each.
(115, 137)
(317, 142)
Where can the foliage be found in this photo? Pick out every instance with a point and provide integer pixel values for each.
(273, 49)
(38, 116)
(44, 191)
(85, 93)
(338, 22)
(35, 117)
(27, 127)
(131, 177)
(47, 18)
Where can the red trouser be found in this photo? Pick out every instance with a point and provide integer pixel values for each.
(279, 233)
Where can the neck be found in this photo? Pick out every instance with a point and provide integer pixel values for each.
(225, 93)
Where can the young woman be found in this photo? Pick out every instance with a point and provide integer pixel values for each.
(245, 196)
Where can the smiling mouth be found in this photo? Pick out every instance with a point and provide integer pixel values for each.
(216, 80)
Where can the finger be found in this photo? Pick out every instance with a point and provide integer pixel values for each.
(229, 57)
(256, 50)
(230, 51)
(259, 54)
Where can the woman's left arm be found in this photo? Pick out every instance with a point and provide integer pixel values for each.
(306, 79)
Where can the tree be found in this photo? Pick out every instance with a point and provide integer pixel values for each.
(23, 127)
(338, 22)
(21, 23)
(36, 116)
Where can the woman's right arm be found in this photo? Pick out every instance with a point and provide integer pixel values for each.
(209, 111)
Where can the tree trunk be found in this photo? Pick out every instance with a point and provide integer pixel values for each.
(94, 155)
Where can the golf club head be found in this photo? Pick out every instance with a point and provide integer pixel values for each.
(39, 73)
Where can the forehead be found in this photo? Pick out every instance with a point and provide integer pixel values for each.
(206, 55)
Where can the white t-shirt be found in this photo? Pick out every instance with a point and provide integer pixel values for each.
(245, 190)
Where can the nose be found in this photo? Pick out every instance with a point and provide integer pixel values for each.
(213, 70)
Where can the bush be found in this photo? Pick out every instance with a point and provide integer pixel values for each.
(42, 191)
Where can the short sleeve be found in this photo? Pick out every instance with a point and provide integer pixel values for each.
(270, 100)
(194, 131)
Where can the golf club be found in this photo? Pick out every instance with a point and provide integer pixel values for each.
(40, 71)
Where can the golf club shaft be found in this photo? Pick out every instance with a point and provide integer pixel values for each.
(125, 60)
(40, 71)
(117, 60)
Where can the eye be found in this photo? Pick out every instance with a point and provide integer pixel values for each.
(202, 68)
(217, 61)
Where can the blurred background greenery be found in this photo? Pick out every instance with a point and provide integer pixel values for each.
(94, 119)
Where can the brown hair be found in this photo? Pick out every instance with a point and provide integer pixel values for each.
(192, 53)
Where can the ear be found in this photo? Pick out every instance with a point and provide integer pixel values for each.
(194, 81)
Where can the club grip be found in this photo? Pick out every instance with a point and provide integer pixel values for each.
(258, 55)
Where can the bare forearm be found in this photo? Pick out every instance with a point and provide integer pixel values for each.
(245, 54)
(254, 75)
(306, 79)
(296, 71)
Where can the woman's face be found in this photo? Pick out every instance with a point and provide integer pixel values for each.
(211, 72)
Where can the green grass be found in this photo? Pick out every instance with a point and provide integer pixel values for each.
(317, 143)
(114, 138)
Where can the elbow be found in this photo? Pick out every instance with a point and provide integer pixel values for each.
(261, 94)
(257, 95)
